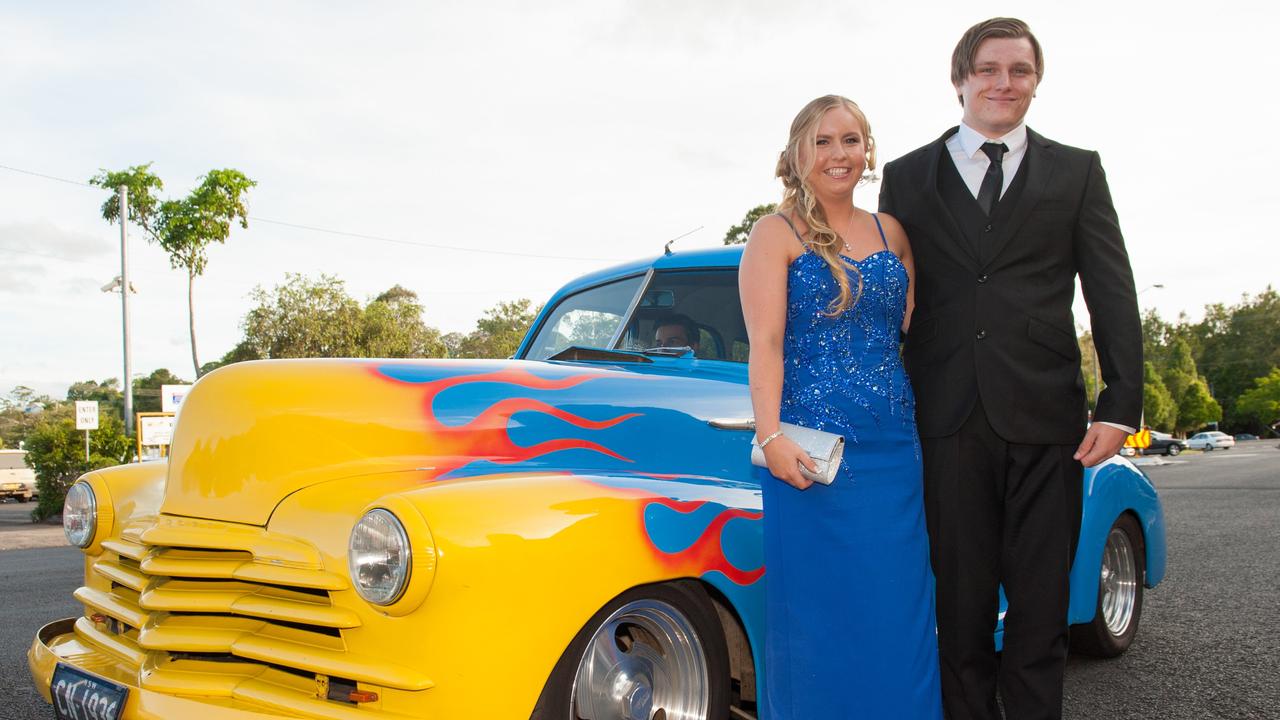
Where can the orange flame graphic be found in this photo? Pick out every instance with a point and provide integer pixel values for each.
(487, 436)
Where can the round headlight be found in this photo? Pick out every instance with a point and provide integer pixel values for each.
(80, 515)
(378, 556)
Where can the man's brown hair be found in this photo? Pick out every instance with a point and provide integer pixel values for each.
(1001, 27)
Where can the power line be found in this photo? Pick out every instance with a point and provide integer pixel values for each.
(426, 245)
(46, 177)
(343, 233)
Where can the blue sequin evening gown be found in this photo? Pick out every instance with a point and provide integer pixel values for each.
(849, 604)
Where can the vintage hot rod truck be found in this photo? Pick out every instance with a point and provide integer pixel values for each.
(571, 533)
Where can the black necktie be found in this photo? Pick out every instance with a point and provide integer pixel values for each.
(993, 181)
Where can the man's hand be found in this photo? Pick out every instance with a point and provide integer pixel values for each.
(1101, 441)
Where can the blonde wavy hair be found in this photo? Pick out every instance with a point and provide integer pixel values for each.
(794, 165)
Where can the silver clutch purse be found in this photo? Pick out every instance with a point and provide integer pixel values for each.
(826, 449)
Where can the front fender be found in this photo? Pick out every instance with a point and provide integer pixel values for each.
(1111, 489)
(523, 560)
(124, 494)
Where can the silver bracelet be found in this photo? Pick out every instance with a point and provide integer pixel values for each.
(770, 439)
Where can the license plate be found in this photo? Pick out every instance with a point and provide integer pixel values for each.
(77, 695)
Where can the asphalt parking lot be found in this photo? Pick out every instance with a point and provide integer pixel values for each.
(1207, 646)
(18, 532)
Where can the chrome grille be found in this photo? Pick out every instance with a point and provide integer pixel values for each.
(175, 589)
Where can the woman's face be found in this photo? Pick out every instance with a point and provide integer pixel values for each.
(839, 154)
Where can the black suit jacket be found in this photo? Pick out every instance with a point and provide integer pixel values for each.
(1000, 326)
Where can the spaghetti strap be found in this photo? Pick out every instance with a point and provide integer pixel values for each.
(879, 227)
(791, 225)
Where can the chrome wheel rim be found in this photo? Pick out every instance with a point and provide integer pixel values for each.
(1119, 582)
(645, 662)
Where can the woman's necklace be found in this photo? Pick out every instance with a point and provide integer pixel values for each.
(848, 249)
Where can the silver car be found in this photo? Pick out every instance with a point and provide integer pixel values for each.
(1211, 440)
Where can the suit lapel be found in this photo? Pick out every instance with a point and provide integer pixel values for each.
(946, 223)
(1038, 162)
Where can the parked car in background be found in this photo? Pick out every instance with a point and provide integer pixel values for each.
(1211, 440)
(16, 479)
(1246, 436)
(1164, 444)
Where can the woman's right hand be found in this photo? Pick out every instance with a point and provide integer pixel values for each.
(785, 457)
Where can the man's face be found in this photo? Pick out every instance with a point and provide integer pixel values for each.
(998, 93)
(671, 336)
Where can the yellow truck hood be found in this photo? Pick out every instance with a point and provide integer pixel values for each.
(250, 434)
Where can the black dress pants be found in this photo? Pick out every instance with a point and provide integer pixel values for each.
(1001, 513)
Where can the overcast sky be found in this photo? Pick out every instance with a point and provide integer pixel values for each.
(560, 137)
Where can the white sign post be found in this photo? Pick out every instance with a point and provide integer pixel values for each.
(86, 420)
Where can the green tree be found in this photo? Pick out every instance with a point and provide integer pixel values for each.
(186, 227)
(20, 410)
(1089, 367)
(1159, 410)
(107, 394)
(392, 327)
(146, 390)
(738, 234)
(1156, 336)
(1236, 345)
(301, 318)
(499, 332)
(55, 449)
(317, 318)
(1180, 368)
(1197, 407)
(1262, 403)
(453, 343)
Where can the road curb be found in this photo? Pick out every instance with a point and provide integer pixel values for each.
(41, 536)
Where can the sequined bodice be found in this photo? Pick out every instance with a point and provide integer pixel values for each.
(846, 371)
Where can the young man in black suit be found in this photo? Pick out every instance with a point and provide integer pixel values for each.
(1001, 222)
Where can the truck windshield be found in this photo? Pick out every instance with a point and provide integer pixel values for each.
(586, 319)
(694, 309)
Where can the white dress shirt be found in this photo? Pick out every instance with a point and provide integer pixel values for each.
(966, 151)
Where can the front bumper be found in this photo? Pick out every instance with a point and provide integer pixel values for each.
(179, 690)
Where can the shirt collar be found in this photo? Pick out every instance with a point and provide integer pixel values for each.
(971, 140)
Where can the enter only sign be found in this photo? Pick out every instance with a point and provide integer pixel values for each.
(86, 414)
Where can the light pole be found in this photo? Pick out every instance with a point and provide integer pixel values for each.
(125, 288)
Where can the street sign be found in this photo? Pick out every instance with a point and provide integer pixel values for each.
(171, 397)
(155, 429)
(86, 414)
(1140, 439)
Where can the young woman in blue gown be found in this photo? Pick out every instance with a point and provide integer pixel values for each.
(826, 290)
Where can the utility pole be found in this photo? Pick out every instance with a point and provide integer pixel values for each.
(124, 308)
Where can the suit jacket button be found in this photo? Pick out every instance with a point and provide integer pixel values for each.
(981, 334)
(982, 278)
(986, 229)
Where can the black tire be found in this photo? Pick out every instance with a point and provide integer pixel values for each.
(1173, 450)
(1101, 638)
(688, 600)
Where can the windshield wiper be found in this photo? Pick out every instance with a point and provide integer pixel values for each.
(680, 351)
